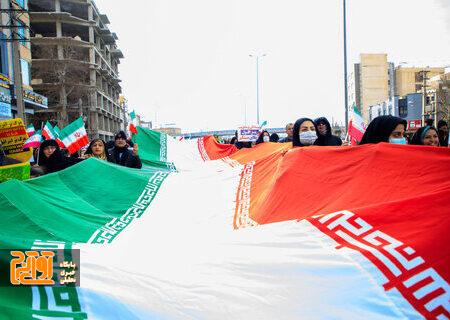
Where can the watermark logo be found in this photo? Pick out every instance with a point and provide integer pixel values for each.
(42, 267)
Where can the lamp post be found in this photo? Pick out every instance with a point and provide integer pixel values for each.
(345, 66)
(257, 58)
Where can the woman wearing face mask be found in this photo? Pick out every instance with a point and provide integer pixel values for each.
(385, 129)
(426, 136)
(304, 133)
(51, 158)
(263, 137)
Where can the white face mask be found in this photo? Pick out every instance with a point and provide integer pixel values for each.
(307, 138)
(266, 139)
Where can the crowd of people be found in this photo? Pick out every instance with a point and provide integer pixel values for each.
(318, 132)
(304, 132)
(51, 158)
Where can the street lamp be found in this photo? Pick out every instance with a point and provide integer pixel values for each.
(345, 66)
(257, 58)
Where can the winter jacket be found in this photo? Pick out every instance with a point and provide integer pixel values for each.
(124, 157)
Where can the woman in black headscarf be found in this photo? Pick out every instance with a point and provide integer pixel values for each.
(52, 159)
(426, 136)
(305, 133)
(264, 136)
(385, 129)
(274, 137)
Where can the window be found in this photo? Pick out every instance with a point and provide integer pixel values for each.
(22, 34)
(390, 110)
(4, 67)
(384, 110)
(402, 108)
(25, 65)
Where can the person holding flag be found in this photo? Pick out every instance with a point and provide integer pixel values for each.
(119, 154)
(51, 159)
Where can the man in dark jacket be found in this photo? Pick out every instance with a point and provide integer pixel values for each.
(443, 133)
(324, 136)
(120, 154)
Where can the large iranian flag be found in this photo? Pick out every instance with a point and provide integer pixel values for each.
(74, 136)
(162, 150)
(263, 233)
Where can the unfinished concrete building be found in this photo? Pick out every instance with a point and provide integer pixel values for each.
(75, 62)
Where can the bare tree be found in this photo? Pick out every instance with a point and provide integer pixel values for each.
(64, 70)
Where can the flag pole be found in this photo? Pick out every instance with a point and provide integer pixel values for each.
(37, 149)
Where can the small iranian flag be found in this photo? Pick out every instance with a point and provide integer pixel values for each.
(58, 140)
(132, 125)
(48, 132)
(34, 141)
(74, 136)
(356, 127)
(30, 130)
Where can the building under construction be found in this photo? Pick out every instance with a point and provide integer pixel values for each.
(75, 64)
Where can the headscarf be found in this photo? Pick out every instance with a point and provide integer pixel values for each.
(295, 138)
(274, 137)
(381, 128)
(420, 134)
(261, 137)
(55, 157)
(89, 150)
(57, 161)
(327, 124)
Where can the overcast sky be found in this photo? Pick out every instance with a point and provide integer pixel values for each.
(187, 62)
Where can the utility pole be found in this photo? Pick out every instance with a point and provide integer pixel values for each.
(345, 67)
(424, 90)
(17, 70)
(257, 57)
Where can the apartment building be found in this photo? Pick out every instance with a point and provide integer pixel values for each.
(75, 61)
(15, 23)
